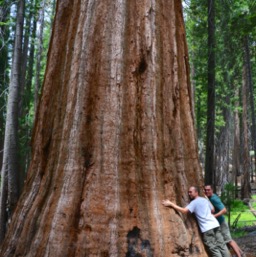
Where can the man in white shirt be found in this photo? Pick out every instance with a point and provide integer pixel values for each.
(208, 224)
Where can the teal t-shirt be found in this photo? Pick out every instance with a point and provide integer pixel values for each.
(218, 205)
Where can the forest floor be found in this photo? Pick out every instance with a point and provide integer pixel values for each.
(248, 244)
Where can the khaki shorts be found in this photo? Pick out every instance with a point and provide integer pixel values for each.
(225, 232)
(214, 241)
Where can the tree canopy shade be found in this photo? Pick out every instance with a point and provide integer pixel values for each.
(113, 136)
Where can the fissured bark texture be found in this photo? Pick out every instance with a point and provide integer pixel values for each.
(114, 136)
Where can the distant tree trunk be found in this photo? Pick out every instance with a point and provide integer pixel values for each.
(245, 183)
(9, 174)
(4, 67)
(39, 54)
(222, 150)
(29, 91)
(25, 55)
(53, 7)
(29, 74)
(22, 106)
(209, 158)
(25, 58)
(236, 148)
(114, 135)
(251, 95)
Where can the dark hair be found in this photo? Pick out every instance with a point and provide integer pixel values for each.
(208, 185)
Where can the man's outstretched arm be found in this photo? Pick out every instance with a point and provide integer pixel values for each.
(168, 203)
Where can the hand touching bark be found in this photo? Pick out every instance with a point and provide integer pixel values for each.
(168, 203)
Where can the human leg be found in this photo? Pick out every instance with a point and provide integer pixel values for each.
(220, 244)
(209, 240)
(228, 239)
(235, 247)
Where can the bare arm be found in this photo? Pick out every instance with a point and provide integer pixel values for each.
(168, 203)
(223, 211)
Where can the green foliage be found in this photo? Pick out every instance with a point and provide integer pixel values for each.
(196, 28)
(7, 31)
(246, 218)
(254, 202)
(238, 205)
(228, 196)
(233, 20)
(241, 213)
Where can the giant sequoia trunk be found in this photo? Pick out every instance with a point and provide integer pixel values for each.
(114, 135)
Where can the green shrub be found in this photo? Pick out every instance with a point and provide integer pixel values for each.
(238, 205)
(239, 213)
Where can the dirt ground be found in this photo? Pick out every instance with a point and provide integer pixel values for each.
(247, 244)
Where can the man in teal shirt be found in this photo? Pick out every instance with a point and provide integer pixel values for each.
(220, 209)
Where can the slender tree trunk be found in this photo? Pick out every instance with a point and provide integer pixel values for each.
(29, 74)
(209, 158)
(236, 152)
(4, 67)
(223, 138)
(25, 56)
(22, 106)
(251, 95)
(114, 135)
(10, 168)
(39, 53)
(222, 151)
(245, 183)
(28, 99)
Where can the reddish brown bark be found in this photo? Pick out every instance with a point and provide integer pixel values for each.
(245, 180)
(236, 153)
(114, 136)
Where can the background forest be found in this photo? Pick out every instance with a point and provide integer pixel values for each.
(221, 42)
